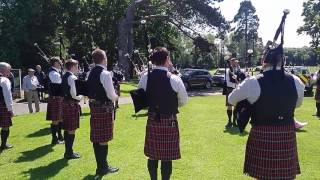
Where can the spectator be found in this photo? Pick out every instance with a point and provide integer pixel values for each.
(30, 85)
(41, 78)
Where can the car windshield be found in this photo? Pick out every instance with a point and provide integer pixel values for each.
(220, 72)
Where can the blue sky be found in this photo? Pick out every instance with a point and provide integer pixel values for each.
(270, 13)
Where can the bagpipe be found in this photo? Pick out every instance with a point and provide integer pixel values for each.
(244, 108)
(52, 88)
(139, 96)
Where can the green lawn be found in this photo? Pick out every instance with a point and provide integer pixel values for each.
(208, 151)
(126, 87)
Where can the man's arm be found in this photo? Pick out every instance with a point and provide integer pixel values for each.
(73, 91)
(249, 89)
(106, 81)
(24, 84)
(178, 86)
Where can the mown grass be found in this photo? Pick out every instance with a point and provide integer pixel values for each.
(208, 151)
(126, 87)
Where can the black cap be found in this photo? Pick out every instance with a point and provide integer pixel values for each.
(272, 55)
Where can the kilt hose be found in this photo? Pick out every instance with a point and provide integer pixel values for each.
(71, 115)
(54, 109)
(5, 116)
(271, 153)
(162, 141)
(101, 123)
(229, 90)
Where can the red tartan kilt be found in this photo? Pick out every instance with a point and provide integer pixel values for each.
(54, 109)
(101, 123)
(71, 116)
(5, 116)
(271, 153)
(162, 141)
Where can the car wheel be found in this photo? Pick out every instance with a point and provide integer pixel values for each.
(186, 85)
(208, 85)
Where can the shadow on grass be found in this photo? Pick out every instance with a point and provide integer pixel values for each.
(139, 115)
(45, 172)
(90, 177)
(34, 154)
(301, 131)
(85, 114)
(235, 131)
(40, 132)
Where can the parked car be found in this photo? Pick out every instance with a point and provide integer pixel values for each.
(305, 76)
(196, 77)
(218, 78)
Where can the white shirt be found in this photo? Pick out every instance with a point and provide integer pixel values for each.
(250, 89)
(6, 89)
(229, 83)
(54, 76)
(106, 81)
(30, 83)
(72, 84)
(176, 84)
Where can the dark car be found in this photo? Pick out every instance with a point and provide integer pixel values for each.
(218, 77)
(196, 77)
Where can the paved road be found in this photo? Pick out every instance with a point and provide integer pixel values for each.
(22, 108)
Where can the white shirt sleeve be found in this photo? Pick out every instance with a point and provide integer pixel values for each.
(143, 82)
(73, 91)
(6, 89)
(249, 89)
(178, 86)
(106, 80)
(55, 77)
(300, 90)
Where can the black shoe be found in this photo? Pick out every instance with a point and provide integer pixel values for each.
(72, 156)
(106, 170)
(7, 146)
(229, 125)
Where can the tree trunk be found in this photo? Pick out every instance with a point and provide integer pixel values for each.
(125, 38)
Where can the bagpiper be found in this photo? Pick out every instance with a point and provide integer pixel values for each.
(102, 96)
(6, 105)
(165, 93)
(55, 101)
(71, 108)
(271, 151)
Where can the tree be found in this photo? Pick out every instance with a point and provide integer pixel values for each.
(246, 28)
(184, 15)
(311, 13)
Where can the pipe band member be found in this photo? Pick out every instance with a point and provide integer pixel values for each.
(165, 93)
(71, 108)
(102, 96)
(55, 101)
(6, 105)
(231, 80)
(271, 151)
